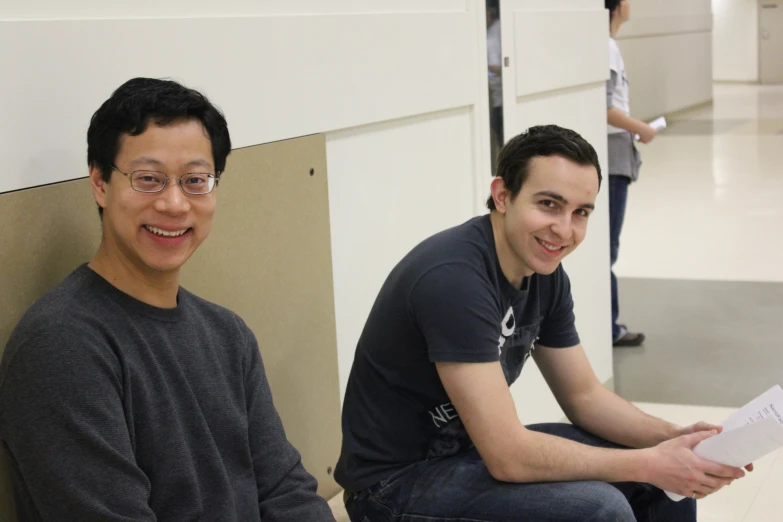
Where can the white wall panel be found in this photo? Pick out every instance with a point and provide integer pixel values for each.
(648, 8)
(548, 63)
(391, 185)
(558, 77)
(274, 76)
(667, 49)
(582, 109)
(735, 40)
(667, 24)
(668, 73)
(95, 9)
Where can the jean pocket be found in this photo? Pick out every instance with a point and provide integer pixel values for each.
(388, 495)
(389, 481)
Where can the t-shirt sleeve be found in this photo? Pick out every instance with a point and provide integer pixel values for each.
(493, 48)
(456, 310)
(558, 330)
(615, 58)
(610, 87)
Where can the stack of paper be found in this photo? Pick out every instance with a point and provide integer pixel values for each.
(752, 432)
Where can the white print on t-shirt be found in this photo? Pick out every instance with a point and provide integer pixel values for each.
(443, 414)
(507, 328)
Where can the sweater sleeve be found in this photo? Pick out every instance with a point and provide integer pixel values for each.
(63, 424)
(286, 491)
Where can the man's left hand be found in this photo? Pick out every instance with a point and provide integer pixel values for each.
(703, 426)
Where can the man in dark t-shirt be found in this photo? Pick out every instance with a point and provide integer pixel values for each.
(430, 430)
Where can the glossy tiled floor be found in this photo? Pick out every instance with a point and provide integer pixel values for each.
(708, 202)
(700, 264)
(339, 509)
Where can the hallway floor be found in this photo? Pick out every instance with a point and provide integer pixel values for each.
(701, 274)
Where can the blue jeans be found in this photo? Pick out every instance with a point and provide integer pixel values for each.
(460, 489)
(618, 197)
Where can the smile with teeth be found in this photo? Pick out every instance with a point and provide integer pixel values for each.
(166, 233)
(549, 246)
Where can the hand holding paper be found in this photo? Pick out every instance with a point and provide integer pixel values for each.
(754, 431)
(673, 466)
(657, 124)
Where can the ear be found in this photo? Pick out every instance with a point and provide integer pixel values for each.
(98, 186)
(500, 194)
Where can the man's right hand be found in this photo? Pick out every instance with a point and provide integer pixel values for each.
(674, 467)
(646, 133)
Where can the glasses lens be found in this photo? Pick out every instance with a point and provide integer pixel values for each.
(148, 180)
(198, 183)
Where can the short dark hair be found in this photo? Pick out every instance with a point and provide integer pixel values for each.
(612, 6)
(541, 141)
(140, 101)
(494, 6)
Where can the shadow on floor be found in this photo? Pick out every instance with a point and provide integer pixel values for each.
(709, 343)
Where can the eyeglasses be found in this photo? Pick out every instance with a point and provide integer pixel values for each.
(151, 181)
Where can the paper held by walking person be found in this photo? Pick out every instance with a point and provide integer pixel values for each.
(657, 124)
(753, 431)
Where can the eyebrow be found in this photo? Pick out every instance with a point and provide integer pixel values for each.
(144, 160)
(561, 199)
(199, 163)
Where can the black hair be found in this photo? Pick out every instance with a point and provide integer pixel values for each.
(140, 101)
(541, 141)
(612, 6)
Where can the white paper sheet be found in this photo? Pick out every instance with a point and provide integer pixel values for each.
(750, 433)
(657, 124)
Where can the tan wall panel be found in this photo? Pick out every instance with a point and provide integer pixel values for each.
(47, 232)
(268, 258)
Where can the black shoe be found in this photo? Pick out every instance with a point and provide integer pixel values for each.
(629, 340)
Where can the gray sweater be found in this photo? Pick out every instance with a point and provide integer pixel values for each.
(114, 410)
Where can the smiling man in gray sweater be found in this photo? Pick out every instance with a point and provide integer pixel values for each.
(124, 397)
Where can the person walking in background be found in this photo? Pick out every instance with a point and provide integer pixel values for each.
(494, 65)
(624, 160)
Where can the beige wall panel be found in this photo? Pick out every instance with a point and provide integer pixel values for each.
(47, 232)
(269, 259)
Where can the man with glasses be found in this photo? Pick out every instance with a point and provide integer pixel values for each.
(122, 395)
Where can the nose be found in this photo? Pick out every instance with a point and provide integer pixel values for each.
(561, 227)
(172, 200)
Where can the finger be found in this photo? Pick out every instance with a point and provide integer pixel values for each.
(710, 483)
(707, 426)
(717, 482)
(693, 439)
(719, 470)
(702, 491)
(697, 495)
(749, 467)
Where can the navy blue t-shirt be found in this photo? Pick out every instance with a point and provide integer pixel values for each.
(446, 301)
